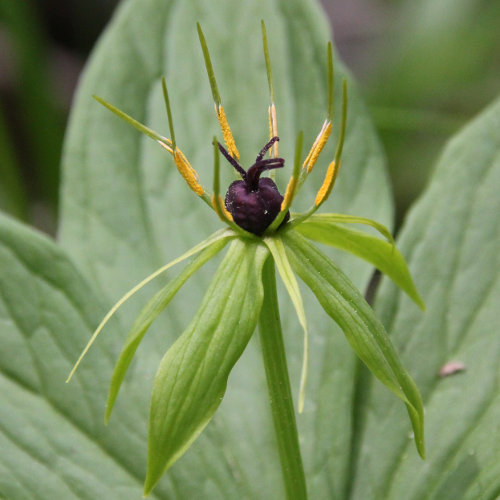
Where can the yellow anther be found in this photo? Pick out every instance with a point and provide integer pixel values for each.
(290, 191)
(273, 130)
(187, 171)
(318, 146)
(270, 123)
(220, 209)
(326, 188)
(226, 132)
(313, 147)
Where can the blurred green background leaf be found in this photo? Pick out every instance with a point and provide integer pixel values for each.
(452, 238)
(121, 218)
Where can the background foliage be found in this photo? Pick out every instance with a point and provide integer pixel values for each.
(124, 211)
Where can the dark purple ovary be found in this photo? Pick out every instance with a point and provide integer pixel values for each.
(254, 210)
(254, 202)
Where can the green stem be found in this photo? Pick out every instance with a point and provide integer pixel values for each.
(278, 384)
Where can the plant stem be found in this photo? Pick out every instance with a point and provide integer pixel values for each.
(278, 384)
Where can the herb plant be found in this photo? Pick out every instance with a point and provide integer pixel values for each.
(125, 212)
(192, 376)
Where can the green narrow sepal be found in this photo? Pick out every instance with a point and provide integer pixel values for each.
(382, 254)
(149, 313)
(285, 271)
(192, 376)
(352, 219)
(365, 333)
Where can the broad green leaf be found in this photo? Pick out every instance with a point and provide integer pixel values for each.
(192, 377)
(343, 302)
(452, 238)
(126, 211)
(150, 312)
(52, 438)
(222, 234)
(383, 255)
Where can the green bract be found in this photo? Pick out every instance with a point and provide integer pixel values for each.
(191, 379)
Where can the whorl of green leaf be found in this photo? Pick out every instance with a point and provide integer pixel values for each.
(148, 314)
(382, 254)
(366, 334)
(192, 376)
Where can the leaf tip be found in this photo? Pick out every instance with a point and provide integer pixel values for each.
(421, 303)
(421, 448)
(300, 406)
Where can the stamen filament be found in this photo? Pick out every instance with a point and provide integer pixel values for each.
(273, 123)
(169, 112)
(333, 169)
(291, 188)
(183, 166)
(219, 110)
(208, 65)
(326, 129)
(330, 82)
(292, 185)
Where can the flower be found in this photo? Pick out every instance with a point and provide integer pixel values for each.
(260, 229)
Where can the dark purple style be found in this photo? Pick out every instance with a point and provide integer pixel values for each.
(254, 202)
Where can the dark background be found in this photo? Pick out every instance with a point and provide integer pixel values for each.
(425, 67)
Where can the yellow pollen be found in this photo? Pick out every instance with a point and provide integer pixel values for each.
(220, 206)
(326, 188)
(270, 122)
(273, 130)
(318, 147)
(313, 147)
(226, 132)
(290, 190)
(188, 172)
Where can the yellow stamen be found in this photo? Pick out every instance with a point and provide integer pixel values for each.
(318, 146)
(187, 171)
(166, 146)
(220, 209)
(290, 191)
(270, 123)
(273, 130)
(313, 147)
(326, 188)
(226, 132)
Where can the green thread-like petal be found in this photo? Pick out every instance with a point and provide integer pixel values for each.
(154, 307)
